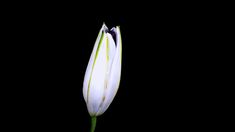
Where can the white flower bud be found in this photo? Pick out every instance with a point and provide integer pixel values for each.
(103, 72)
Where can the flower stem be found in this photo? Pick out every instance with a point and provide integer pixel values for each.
(93, 123)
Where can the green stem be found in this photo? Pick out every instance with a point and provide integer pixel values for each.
(93, 123)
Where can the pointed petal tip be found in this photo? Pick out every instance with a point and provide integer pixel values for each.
(118, 27)
(104, 27)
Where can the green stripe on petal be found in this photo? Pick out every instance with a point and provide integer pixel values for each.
(107, 49)
(96, 54)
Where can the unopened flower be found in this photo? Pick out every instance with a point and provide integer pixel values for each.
(103, 72)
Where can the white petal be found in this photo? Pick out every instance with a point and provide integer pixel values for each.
(98, 78)
(114, 77)
(90, 63)
(111, 49)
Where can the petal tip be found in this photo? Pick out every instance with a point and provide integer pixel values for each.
(104, 27)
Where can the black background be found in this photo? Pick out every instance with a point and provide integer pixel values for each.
(48, 51)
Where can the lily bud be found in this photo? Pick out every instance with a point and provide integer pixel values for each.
(103, 72)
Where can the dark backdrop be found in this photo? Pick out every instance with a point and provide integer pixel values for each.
(49, 51)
